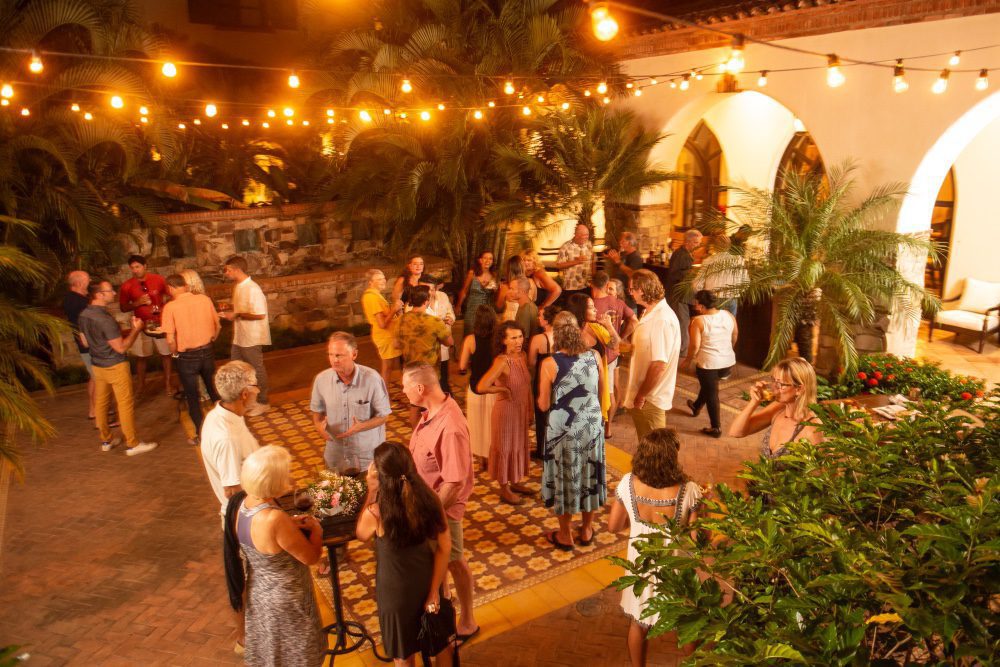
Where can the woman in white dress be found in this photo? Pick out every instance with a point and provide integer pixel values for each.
(656, 492)
(477, 357)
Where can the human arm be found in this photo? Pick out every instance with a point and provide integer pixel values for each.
(749, 420)
(319, 423)
(442, 551)
(358, 426)
(564, 260)
(653, 376)
(601, 374)
(368, 517)
(397, 289)
(468, 348)
(547, 283)
(125, 302)
(618, 518)
(613, 338)
(498, 369)
(736, 330)
(534, 347)
(444, 334)
(379, 409)
(545, 380)
(501, 300)
(464, 292)
(630, 322)
(288, 534)
(120, 345)
(694, 342)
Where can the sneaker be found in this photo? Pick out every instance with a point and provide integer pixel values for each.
(141, 448)
(108, 445)
(258, 410)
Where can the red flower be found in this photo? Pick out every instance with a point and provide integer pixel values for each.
(980, 393)
(888, 365)
(873, 382)
(961, 380)
(862, 376)
(891, 377)
(966, 395)
(878, 375)
(909, 370)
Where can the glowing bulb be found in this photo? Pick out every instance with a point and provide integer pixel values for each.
(586, 93)
(685, 82)
(169, 70)
(143, 120)
(565, 106)
(288, 111)
(117, 102)
(477, 114)
(653, 82)
(245, 123)
(440, 107)
(402, 114)
(406, 86)
(329, 121)
(265, 125)
(289, 122)
(197, 121)
(7, 91)
(74, 107)
(604, 24)
(305, 123)
(144, 111)
(491, 104)
(983, 82)
(425, 116)
(526, 110)
(602, 88)
(4, 102)
(293, 80)
(88, 116)
(330, 113)
(181, 126)
(673, 84)
(899, 83)
(25, 111)
(509, 87)
(36, 66)
(606, 100)
(638, 92)
(540, 99)
(941, 84)
(225, 126)
(629, 85)
(955, 59)
(699, 76)
(365, 116)
(736, 63)
(211, 110)
(270, 113)
(834, 77)
(762, 79)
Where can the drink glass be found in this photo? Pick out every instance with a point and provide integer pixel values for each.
(352, 465)
(303, 500)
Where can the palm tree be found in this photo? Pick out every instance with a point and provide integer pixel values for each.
(573, 163)
(818, 254)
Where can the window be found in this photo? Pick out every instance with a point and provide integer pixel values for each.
(942, 225)
(307, 233)
(701, 160)
(246, 14)
(801, 157)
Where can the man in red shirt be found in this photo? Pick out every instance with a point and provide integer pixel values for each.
(443, 455)
(144, 295)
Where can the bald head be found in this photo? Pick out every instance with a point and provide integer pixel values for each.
(78, 281)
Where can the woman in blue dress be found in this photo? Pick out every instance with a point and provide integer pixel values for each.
(573, 473)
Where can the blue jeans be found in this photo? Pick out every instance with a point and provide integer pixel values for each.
(191, 365)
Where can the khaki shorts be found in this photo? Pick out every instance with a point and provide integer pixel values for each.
(146, 346)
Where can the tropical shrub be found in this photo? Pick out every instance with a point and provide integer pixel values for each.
(878, 546)
(889, 374)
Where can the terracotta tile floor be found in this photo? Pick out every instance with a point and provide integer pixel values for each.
(109, 560)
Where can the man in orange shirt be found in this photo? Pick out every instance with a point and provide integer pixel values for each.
(191, 325)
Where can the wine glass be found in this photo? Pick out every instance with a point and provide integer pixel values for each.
(303, 500)
(352, 465)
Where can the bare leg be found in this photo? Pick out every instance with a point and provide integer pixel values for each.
(386, 371)
(404, 662)
(463, 585)
(637, 644)
(446, 658)
(564, 535)
(168, 367)
(587, 526)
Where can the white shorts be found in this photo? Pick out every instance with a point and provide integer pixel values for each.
(612, 367)
(146, 346)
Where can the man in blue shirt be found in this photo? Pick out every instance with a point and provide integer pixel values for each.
(350, 405)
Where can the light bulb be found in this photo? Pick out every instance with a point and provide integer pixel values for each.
(25, 111)
(941, 84)
(565, 106)
(440, 107)
(117, 102)
(425, 116)
(526, 110)
(329, 121)
(602, 88)
(169, 70)
(736, 63)
(540, 99)
(685, 82)
(7, 91)
(88, 116)
(305, 123)
(143, 110)
(402, 114)
(508, 87)
(245, 123)
(629, 85)
(293, 80)
(330, 113)
(983, 82)
(74, 107)
(955, 59)
(36, 65)
(699, 76)
(197, 121)
(834, 77)
(653, 82)
(387, 112)
(181, 126)
(762, 79)
(265, 125)
(225, 126)
(365, 116)
(604, 24)
(606, 100)
(899, 83)
(289, 122)
(477, 114)
(673, 84)
(491, 104)
(211, 110)
(406, 86)
(288, 111)
(143, 120)
(638, 92)
(4, 102)
(586, 93)
(270, 113)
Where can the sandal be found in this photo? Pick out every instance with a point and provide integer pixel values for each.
(516, 501)
(586, 543)
(712, 432)
(551, 538)
(694, 411)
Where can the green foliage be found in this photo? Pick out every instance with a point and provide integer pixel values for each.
(819, 254)
(889, 374)
(878, 546)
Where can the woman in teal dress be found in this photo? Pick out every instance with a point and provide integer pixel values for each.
(480, 288)
(573, 473)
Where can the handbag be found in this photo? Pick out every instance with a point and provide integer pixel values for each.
(437, 632)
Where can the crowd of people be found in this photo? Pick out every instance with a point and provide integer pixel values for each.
(541, 356)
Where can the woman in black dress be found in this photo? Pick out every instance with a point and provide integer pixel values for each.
(405, 517)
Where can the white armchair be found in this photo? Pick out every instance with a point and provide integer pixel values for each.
(978, 309)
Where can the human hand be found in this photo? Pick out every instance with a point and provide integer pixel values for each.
(138, 324)
(307, 521)
(398, 306)
(143, 300)
(757, 391)
(639, 401)
(433, 602)
(613, 255)
(323, 433)
(502, 391)
(227, 315)
(351, 431)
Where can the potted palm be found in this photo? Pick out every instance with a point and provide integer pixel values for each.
(818, 254)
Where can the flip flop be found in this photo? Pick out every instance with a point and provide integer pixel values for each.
(586, 543)
(518, 501)
(462, 639)
(551, 538)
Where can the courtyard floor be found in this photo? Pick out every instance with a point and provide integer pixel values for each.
(109, 560)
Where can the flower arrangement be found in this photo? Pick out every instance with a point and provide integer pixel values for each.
(334, 494)
(889, 374)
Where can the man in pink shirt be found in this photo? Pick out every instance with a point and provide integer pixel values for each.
(443, 455)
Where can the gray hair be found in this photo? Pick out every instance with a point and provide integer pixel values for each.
(344, 337)
(371, 273)
(523, 284)
(619, 288)
(232, 378)
(692, 234)
(629, 238)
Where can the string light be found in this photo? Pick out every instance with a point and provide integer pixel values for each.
(245, 123)
(270, 113)
(74, 107)
(35, 66)
(197, 121)
(88, 116)
(638, 92)
(673, 84)
(685, 82)
(289, 122)
(25, 111)
(265, 125)
(899, 83)
(834, 77)
(941, 84)
(696, 75)
(305, 123)
(211, 110)
(440, 107)
(477, 114)
(4, 102)
(586, 93)
(288, 111)
(491, 104)
(406, 86)
(365, 116)
(142, 110)
(983, 82)
(225, 126)
(606, 100)
(605, 26)
(565, 106)
(117, 102)
(541, 99)
(425, 116)
(402, 114)
(181, 126)
(602, 88)
(736, 63)
(508, 87)
(762, 79)
(169, 70)
(526, 110)
(329, 121)
(330, 113)
(955, 59)
(653, 81)
(387, 112)
(293, 80)
(629, 85)
(143, 120)
(7, 91)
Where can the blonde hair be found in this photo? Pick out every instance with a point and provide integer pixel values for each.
(532, 256)
(193, 281)
(566, 334)
(266, 472)
(802, 374)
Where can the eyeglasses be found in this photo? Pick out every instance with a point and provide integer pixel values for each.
(784, 385)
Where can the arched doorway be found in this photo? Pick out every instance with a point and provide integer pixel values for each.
(801, 157)
(703, 162)
(942, 225)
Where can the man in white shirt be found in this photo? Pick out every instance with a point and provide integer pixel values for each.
(225, 439)
(652, 373)
(251, 329)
